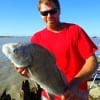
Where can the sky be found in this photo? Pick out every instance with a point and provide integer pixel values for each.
(21, 17)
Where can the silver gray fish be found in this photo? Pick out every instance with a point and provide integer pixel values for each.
(42, 65)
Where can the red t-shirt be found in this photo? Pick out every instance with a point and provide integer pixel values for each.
(71, 47)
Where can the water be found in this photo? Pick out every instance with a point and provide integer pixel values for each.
(97, 42)
(9, 78)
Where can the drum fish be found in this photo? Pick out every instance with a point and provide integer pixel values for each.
(42, 65)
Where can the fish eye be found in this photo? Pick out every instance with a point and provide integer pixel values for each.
(14, 51)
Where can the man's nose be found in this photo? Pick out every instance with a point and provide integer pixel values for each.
(48, 15)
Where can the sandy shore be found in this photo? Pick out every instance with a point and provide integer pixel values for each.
(94, 91)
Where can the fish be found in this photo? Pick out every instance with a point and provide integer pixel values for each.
(41, 64)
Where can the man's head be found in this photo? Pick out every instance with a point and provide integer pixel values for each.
(49, 10)
(48, 2)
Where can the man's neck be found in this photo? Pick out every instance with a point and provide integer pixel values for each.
(56, 28)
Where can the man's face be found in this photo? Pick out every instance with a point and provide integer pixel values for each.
(50, 14)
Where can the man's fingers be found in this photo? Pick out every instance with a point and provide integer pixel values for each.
(22, 71)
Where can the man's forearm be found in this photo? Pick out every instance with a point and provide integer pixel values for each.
(87, 70)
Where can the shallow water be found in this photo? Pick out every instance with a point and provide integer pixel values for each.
(9, 78)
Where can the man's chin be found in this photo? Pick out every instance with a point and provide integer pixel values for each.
(51, 23)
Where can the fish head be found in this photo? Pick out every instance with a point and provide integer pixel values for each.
(18, 54)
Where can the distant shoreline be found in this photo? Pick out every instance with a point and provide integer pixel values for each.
(30, 36)
(12, 36)
(95, 37)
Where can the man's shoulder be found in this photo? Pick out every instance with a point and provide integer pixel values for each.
(73, 25)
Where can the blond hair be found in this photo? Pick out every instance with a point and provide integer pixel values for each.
(56, 2)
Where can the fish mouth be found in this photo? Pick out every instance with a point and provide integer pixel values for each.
(22, 66)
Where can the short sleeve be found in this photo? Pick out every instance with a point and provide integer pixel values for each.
(86, 46)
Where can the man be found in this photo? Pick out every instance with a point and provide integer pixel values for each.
(72, 48)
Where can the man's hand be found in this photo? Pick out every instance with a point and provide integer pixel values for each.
(70, 95)
(22, 71)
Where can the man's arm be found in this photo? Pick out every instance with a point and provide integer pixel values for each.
(87, 70)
